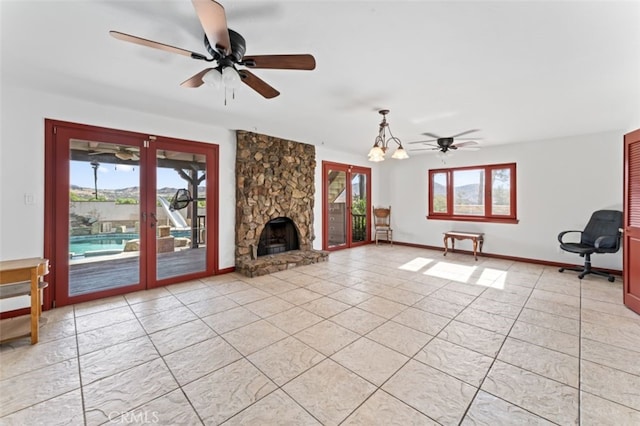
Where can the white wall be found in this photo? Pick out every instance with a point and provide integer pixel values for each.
(22, 162)
(560, 182)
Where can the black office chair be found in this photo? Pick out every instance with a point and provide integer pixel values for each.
(601, 235)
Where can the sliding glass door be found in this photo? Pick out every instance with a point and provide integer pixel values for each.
(181, 212)
(104, 207)
(129, 211)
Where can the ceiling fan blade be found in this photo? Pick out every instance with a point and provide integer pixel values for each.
(196, 80)
(431, 135)
(424, 149)
(124, 156)
(463, 144)
(214, 22)
(258, 84)
(465, 133)
(103, 151)
(282, 62)
(154, 44)
(424, 142)
(469, 148)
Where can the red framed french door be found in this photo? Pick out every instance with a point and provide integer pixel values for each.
(185, 240)
(110, 227)
(346, 205)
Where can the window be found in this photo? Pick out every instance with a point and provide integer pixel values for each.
(477, 193)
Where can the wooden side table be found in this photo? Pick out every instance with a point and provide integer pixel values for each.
(24, 276)
(476, 237)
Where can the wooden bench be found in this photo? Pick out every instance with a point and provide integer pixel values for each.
(476, 237)
(23, 277)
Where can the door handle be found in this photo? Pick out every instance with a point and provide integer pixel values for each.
(154, 220)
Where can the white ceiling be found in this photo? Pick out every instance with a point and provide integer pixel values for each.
(519, 71)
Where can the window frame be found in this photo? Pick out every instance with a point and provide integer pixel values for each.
(488, 184)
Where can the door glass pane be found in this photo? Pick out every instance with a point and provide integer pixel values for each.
(104, 212)
(359, 207)
(181, 219)
(337, 197)
(439, 192)
(468, 192)
(501, 192)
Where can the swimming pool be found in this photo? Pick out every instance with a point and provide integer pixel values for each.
(104, 244)
(82, 245)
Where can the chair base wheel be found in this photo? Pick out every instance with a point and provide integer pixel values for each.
(581, 276)
(611, 279)
(561, 270)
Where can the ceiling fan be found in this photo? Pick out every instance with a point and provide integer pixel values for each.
(227, 49)
(446, 144)
(121, 153)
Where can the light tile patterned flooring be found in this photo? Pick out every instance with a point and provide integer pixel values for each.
(377, 335)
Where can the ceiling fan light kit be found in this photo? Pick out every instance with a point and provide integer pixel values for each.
(381, 143)
(227, 48)
(231, 78)
(213, 78)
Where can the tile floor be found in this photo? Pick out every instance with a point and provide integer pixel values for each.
(377, 335)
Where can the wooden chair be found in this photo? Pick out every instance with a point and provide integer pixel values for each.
(382, 224)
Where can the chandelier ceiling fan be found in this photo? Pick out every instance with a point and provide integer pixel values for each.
(227, 50)
(447, 144)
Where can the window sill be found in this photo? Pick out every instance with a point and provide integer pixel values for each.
(473, 219)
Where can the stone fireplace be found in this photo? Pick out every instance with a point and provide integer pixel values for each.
(274, 204)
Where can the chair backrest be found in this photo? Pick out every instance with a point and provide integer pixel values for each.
(381, 216)
(603, 223)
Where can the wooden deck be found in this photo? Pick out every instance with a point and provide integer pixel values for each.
(113, 273)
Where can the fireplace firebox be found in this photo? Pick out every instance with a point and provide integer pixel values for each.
(279, 235)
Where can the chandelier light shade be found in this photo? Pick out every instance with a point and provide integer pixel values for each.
(381, 144)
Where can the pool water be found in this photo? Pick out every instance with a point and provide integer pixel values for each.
(81, 247)
(102, 244)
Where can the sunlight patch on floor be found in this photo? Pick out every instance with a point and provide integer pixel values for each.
(493, 278)
(416, 264)
(451, 271)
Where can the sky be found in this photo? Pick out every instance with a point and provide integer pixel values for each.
(463, 177)
(115, 176)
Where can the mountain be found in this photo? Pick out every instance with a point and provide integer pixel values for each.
(79, 193)
(467, 192)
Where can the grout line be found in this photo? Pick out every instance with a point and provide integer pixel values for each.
(580, 357)
(84, 411)
(360, 336)
(495, 358)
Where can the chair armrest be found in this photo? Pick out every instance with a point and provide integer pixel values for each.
(607, 241)
(563, 233)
